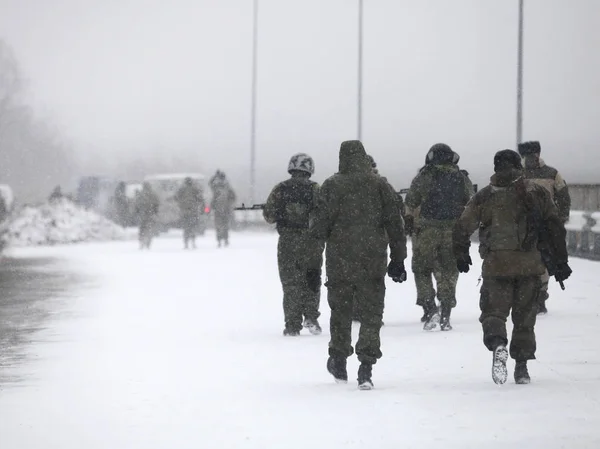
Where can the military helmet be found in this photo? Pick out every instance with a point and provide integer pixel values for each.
(440, 153)
(507, 159)
(301, 162)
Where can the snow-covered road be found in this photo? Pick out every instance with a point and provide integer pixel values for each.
(173, 349)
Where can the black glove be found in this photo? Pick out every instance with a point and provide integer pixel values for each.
(463, 264)
(563, 271)
(313, 278)
(397, 271)
(409, 225)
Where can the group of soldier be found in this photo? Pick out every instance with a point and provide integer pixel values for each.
(356, 215)
(191, 204)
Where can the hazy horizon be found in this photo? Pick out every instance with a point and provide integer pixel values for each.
(126, 81)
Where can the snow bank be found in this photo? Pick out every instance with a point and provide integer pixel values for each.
(58, 222)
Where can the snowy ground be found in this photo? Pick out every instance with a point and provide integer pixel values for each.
(174, 349)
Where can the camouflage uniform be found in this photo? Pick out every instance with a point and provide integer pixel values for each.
(290, 205)
(548, 177)
(504, 213)
(191, 204)
(146, 208)
(358, 216)
(439, 192)
(222, 206)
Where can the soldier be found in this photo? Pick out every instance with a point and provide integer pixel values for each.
(146, 208)
(191, 204)
(299, 255)
(222, 203)
(358, 216)
(515, 217)
(540, 173)
(439, 193)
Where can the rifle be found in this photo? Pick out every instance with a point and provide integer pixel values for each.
(544, 245)
(254, 207)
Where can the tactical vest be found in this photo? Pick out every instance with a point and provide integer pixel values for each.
(294, 205)
(507, 224)
(445, 199)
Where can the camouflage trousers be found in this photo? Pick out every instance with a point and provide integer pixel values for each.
(222, 227)
(299, 301)
(369, 298)
(433, 256)
(515, 296)
(190, 226)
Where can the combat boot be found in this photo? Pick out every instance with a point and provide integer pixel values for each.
(499, 358)
(337, 368)
(291, 332)
(521, 373)
(364, 376)
(425, 316)
(433, 319)
(445, 320)
(313, 326)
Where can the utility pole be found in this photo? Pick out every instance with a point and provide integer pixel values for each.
(520, 77)
(253, 103)
(360, 68)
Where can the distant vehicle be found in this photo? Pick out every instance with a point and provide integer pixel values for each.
(166, 186)
(95, 193)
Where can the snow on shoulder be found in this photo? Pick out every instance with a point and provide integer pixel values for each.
(57, 222)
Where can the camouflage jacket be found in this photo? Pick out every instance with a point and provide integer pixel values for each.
(549, 178)
(358, 215)
(189, 199)
(509, 241)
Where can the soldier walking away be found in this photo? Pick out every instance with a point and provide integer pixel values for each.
(191, 205)
(548, 177)
(290, 206)
(358, 217)
(519, 227)
(436, 199)
(223, 199)
(146, 208)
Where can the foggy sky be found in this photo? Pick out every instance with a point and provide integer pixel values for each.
(125, 78)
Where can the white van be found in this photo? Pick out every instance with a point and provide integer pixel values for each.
(166, 186)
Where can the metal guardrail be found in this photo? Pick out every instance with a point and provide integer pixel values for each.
(583, 235)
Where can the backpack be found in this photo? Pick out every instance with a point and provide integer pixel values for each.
(445, 199)
(295, 204)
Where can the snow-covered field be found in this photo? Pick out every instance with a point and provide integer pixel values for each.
(175, 349)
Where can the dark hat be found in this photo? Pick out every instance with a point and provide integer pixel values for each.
(507, 159)
(532, 147)
(440, 153)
